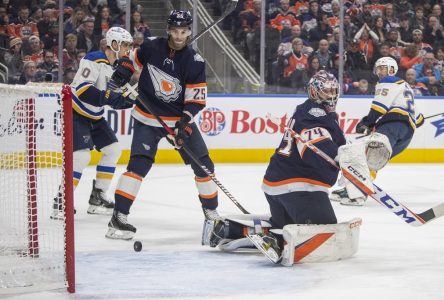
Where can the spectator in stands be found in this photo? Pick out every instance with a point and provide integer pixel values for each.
(419, 88)
(138, 39)
(426, 72)
(69, 74)
(433, 32)
(405, 30)
(376, 8)
(283, 18)
(334, 42)
(138, 25)
(22, 26)
(403, 8)
(70, 51)
(89, 9)
(379, 29)
(85, 38)
(350, 29)
(314, 66)
(437, 12)
(29, 72)
(250, 20)
(48, 70)
(103, 22)
(368, 40)
(396, 46)
(36, 14)
(299, 7)
(410, 58)
(391, 21)
(46, 21)
(417, 40)
(80, 54)
(439, 57)
(35, 51)
(72, 24)
(360, 87)
(440, 86)
(355, 61)
(322, 31)
(309, 19)
(382, 50)
(102, 45)
(51, 38)
(4, 17)
(333, 19)
(294, 65)
(324, 55)
(363, 16)
(418, 21)
(13, 59)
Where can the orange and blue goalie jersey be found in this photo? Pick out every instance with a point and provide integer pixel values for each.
(294, 167)
(172, 81)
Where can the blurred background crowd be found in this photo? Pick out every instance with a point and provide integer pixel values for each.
(302, 37)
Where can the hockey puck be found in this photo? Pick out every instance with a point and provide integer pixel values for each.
(137, 246)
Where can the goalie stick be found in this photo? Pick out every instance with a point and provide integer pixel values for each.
(231, 6)
(399, 209)
(186, 150)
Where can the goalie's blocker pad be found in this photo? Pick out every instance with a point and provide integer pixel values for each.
(320, 243)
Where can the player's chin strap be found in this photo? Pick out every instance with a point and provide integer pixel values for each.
(190, 154)
(399, 209)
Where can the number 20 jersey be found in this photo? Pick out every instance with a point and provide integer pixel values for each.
(294, 167)
(172, 81)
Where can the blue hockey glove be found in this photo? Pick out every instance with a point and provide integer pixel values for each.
(117, 100)
(419, 120)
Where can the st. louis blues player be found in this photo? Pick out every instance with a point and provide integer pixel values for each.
(96, 84)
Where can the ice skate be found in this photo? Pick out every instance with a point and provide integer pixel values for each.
(341, 196)
(119, 228)
(58, 212)
(98, 202)
(211, 214)
(213, 232)
(268, 245)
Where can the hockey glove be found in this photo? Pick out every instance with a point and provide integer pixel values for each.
(124, 69)
(117, 100)
(419, 120)
(182, 131)
(362, 128)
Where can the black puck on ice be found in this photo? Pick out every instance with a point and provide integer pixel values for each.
(137, 246)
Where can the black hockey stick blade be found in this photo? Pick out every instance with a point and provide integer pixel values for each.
(231, 6)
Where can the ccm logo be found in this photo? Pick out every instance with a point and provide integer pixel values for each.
(356, 173)
(355, 224)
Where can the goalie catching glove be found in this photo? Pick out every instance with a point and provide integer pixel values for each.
(182, 131)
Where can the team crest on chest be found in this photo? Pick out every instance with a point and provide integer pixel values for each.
(167, 87)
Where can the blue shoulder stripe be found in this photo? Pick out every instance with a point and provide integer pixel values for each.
(97, 56)
(390, 79)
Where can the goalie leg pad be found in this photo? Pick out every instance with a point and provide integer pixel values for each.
(378, 151)
(354, 167)
(320, 243)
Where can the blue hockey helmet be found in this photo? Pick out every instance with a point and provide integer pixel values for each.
(180, 18)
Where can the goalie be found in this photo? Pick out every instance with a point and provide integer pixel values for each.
(390, 124)
(296, 186)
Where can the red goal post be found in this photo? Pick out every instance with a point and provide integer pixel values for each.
(36, 251)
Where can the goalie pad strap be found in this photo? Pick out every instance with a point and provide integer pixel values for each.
(320, 243)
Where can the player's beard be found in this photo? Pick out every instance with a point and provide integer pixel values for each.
(177, 44)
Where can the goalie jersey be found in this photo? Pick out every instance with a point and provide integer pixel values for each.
(393, 101)
(293, 167)
(172, 81)
(91, 79)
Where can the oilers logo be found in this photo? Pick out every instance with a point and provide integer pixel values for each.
(211, 121)
(167, 87)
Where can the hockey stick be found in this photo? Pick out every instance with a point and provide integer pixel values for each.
(231, 6)
(186, 150)
(403, 212)
(432, 116)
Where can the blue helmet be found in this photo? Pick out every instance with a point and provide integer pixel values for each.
(180, 18)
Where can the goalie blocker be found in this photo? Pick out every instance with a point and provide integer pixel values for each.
(302, 243)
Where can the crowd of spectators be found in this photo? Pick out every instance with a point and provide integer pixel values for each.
(29, 35)
(303, 36)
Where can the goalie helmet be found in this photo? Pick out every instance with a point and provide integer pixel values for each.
(390, 63)
(180, 18)
(323, 88)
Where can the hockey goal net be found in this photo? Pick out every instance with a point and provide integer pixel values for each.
(36, 250)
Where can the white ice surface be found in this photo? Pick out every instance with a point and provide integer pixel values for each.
(394, 261)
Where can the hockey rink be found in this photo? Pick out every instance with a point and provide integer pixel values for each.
(394, 260)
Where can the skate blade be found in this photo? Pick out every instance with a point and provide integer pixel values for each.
(57, 215)
(100, 210)
(269, 253)
(116, 234)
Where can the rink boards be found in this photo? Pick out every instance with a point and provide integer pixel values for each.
(236, 130)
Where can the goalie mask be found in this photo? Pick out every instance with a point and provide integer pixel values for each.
(323, 88)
